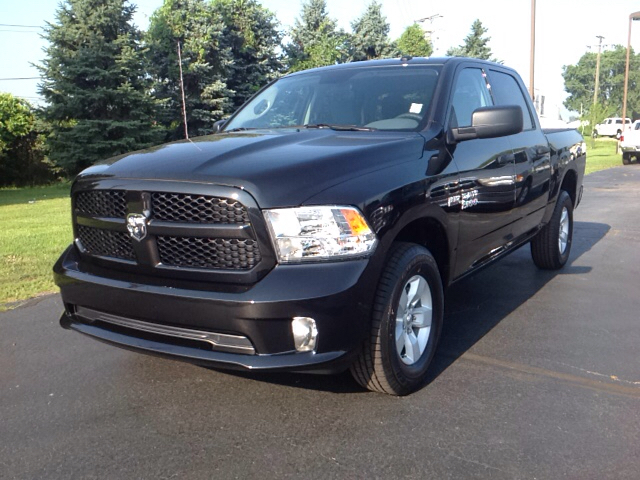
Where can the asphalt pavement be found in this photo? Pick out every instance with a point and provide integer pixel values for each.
(537, 377)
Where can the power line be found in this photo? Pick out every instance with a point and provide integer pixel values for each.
(20, 26)
(20, 78)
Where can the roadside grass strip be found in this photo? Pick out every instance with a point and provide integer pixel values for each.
(601, 154)
(35, 227)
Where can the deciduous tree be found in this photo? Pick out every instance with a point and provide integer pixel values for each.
(579, 82)
(413, 42)
(22, 152)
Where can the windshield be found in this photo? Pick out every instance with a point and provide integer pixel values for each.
(381, 98)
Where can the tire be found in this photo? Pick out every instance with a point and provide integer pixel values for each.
(409, 285)
(626, 158)
(551, 247)
(594, 134)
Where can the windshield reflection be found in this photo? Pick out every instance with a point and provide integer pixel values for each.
(367, 98)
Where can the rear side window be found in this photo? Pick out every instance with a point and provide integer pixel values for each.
(506, 91)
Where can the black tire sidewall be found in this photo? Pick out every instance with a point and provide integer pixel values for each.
(416, 261)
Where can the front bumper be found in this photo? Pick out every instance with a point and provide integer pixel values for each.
(124, 310)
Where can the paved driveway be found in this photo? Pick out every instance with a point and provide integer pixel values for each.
(538, 376)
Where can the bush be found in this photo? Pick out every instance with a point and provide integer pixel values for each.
(23, 159)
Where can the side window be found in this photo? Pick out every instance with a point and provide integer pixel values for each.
(506, 91)
(469, 94)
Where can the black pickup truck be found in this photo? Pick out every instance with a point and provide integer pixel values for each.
(319, 227)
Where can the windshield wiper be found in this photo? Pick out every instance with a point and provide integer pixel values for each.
(239, 129)
(341, 128)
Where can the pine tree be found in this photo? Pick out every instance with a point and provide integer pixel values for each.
(95, 84)
(250, 34)
(198, 29)
(370, 35)
(316, 40)
(413, 42)
(475, 44)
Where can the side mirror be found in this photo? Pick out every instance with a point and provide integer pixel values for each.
(217, 126)
(490, 122)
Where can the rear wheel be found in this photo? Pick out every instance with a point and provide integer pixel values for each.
(406, 323)
(550, 248)
(626, 158)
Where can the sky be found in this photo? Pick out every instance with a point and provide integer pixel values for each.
(563, 33)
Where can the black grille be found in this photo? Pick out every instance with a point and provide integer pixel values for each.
(180, 207)
(221, 253)
(102, 203)
(106, 243)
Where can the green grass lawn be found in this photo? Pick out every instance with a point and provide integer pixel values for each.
(35, 227)
(601, 154)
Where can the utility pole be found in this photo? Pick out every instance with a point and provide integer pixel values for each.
(428, 34)
(632, 18)
(532, 55)
(595, 93)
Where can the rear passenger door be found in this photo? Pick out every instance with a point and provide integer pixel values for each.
(531, 154)
(486, 192)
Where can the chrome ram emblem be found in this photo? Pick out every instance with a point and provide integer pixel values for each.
(137, 226)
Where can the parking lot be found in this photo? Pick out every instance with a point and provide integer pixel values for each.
(537, 376)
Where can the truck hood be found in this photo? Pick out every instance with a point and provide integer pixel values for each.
(278, 167)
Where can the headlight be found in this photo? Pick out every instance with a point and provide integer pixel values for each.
(319, 233)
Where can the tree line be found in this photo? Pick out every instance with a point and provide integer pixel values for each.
(579, 83)
(110, 88)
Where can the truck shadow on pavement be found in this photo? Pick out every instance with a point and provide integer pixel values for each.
(474, 306)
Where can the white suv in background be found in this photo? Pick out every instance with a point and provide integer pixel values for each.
(611, 127)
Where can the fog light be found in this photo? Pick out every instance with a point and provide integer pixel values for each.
(305, 333)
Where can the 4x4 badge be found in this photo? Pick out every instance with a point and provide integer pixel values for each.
(137, 226)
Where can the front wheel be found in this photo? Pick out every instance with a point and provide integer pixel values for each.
(550, 248)
(406, 323)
